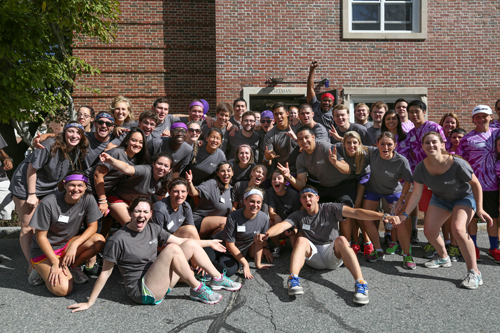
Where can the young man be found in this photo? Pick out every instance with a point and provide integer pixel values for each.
(239, 108)
(478, 148)
(318, 243)
(306, 116)
(161, 108)
(401, 106)
(378, 110)
(266, 122)
(361, 112)
(323, 110)
(147, 123)
(342, 126)
(195, 113)
(246, 135)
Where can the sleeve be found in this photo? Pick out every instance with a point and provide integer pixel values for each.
(112, 251)
(406, 171)
(163, 236)
(42, 217)
(159, 217)
(118, 140)
(336, 210)
(294, 219)
(92, 209)
(465, 171)
(188, 214)
(439, 129)
(268, 139)
(229, 232)
(204, 189)
(41, 156)
(322, 134)
(142, 170)
(418, 173)
(181, 165)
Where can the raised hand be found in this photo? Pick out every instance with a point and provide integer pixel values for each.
(189, 176)
(285, 170)
(270, 154)
(333, 133)
(291, 133)
(332, 156)
(314, 65)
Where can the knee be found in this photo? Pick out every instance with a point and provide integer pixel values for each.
(190, 243)
(341, 242)
(62, 289)
(459, 232)
(173, 249)
(429, 233)
(301, 242)
(99, 242)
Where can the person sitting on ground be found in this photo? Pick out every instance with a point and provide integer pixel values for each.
(257, 179)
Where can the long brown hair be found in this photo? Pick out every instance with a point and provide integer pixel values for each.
(60, 143)
(360, 152)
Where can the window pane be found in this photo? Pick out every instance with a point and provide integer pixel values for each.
(398, 27)
(398, 12)
(363, 12)
(366, 26)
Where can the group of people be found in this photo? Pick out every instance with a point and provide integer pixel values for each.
(197, 197)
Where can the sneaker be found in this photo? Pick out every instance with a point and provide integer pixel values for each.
(276, 252)
(205, 295)
(438, 262)
(454, 253)
(205, 277)
(478, 256)
(494, 255)
(368, 249)
(408, 262)
(393, 247)
(414, 237)
(78, 276)
(294, 287)
(429, 251)
(375, 256)
(472, 280)
(356, 248)
(361, 293)
(94, 271)
(225, 283)
(387, 238)
(35, 279)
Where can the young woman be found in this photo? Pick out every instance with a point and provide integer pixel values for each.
(257, 179)
(193, 134)
(207, 157)
(456, 192)
(240, 232)
(40, 173)
(214, 200)
(293, 113)
(148, 277)
(244, 161)
(387, 168)
(449, 121)
(143, 181)
(56, 249)
(85, 116)
(224, 111)
(121, 109)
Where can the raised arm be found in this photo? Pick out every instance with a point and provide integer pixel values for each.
(121, 166)
(298, 182)
(99, 174)
(310, 81)
(191, 189)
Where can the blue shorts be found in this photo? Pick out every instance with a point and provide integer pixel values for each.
(147, 296)
(449, 205)
(391, 198)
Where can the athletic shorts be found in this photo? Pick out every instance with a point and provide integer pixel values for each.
(43, 257)
(147, 296)
(490, 203)
(423, 204)
(323, 257)
(392, 198)
(449, 205)
(113, 200)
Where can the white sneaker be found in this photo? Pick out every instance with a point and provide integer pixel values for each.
(35, 279)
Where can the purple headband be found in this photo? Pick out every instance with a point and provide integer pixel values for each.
(74, 124)
(308, 189)
(196, 103)
(104, 115)
(178, 125)
(205, 106)
(76, 177)
(267, 114)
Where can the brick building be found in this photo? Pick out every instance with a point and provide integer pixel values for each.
(443, 52)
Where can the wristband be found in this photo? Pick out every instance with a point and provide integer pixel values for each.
(8, 158)
(265, 159)
(405, 215)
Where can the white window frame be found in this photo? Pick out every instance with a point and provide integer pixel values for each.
(419, 26)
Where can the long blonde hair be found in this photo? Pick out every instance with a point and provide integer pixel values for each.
(361, 151)
(120, 99)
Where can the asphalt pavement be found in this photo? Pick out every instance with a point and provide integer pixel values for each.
(422, 300)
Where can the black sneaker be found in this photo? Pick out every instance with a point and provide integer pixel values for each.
(387, 239)
(414, 237)
(93, 272)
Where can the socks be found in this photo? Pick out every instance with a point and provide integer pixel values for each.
(493, 242)
(368, 243)
(414, 220)
(199, 287)
(474, 239)
(361, 281)
(379, 250)
(447, 242)
(219, 278)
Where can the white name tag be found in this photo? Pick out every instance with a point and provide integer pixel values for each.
(63, 219)
(241, 228)
(170, 224)
(306, 227)
(480, 144)
(222, 200)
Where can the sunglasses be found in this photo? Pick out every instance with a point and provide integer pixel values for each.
(498, 108)
(194, 130)
(266, 121)
(102, 122)
(179, 130)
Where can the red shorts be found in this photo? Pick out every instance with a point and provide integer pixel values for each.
(115, 200)
(423, 204)
(43, 257)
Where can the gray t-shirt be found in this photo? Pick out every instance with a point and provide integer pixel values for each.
(61, 220)
(321, 228)
(374, 132)
(239, 139)
(283, 146)
(166, 124)
(225, 136)
(320, 133)
(95, 149)
(181, 156)
(367, 125)
(3, 174)
(385, 174)
(240, 174)
(186, 120)
(134, 252)
(238, 195)
(169, 219)
(235, 122)
(283, 205)
(366, 138)
(319, 166)
(205, 164)
(352, 162)
(50, 170)
(212, 202)
(324, 118)
(141, 184)
(113, 177)
(451, 185)
(241, 231)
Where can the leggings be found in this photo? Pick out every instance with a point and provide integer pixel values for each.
(223, 261)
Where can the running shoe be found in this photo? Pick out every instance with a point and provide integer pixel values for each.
(361, 293)
(414, 237)
(375, 256)
(356, 248)
(94, 271)
(478, 256)
(408, 262)
(276, 251)
(429, 251)
(393, 247)
(472, 280)
(294, 287)
(494, 255)
(204, 295)
(447, 247)
(35, 279)
(438, 262)
(387, 238)
(225, 283)
(205, 277)
(454, 253)
(78, 276)
(368, 249)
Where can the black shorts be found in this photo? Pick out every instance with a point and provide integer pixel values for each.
(490, 203)
(345, 193)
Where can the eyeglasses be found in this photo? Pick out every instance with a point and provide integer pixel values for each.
(266, 121)
(102, 122)
(194, 130)
(83, 115)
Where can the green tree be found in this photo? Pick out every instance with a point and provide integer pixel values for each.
(37, 68)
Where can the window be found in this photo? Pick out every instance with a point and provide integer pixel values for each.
(385, 19)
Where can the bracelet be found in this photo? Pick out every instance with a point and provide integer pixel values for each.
(405, 215)
(102, 203)
(265, 159)
(403, 195)
(8, 158)
(31, 193)
(101, 200)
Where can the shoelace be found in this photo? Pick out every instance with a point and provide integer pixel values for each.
(361, 288)
(428, 247)
(469, 276)
(295, 281)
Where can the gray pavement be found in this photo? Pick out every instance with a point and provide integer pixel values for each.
(400, 300)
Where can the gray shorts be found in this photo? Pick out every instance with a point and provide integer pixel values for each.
(323, 257)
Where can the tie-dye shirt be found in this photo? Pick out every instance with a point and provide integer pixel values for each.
(478, 148)
(495, 124)
(408, 126)
(403, 147)
(415, 140)
(497, 169)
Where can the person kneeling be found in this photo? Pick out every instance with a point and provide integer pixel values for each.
(319, 244)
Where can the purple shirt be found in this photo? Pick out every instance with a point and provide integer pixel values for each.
(408, 126)
(497, 170)
(495, 124)
(478, 148)
(415, 139)
(403, 147)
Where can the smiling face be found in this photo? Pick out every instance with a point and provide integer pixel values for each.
(84, 116)
(386, 147)
(214, 140)
(326, 104)
(103, 127)
(481, 120)
(121, 112)
(239, 108)
(401, 109)
(161, 110)
(162, 167)
(134, 144)
(244, 155)
(361, 114)
(75, 189)
(223, 117)
(267, 124)
(253, 203)
(306, 116)
(147, 125)
(310, 202)
(258, 176)
(280, 117)
(341, 118)
(449, 124)
(178, 194)
(248, 123)
(391, 122)
(278, 182)
(140, 216)
(72, 136)
(351, 145)
(306, 141)
(178, 135)
(432, 145)
(293, 113)
(196, 113)
(193, 133)
(225, 174)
